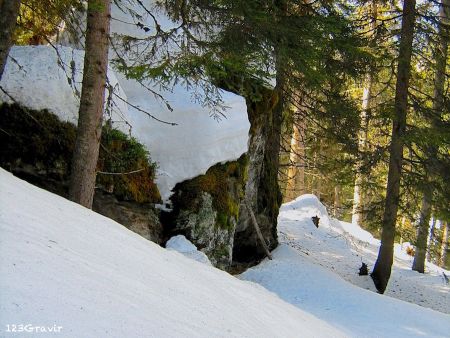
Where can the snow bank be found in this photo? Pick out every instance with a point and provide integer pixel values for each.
(182, 245)
(308, 206)
(64, 265)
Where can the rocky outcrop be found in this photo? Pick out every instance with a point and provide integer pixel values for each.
(37, 147)
(206, 210)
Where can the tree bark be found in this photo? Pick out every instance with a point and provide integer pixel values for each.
(358, 195)
(444, 245)
(438, 106)
(422, 232)
(296, 172)
(429, 257)
(337, 201)
(383, 265)
(84, 163)
(9, 11)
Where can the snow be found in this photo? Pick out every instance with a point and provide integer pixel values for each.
(64, 265)
(37, 80)
(182, 245)
(316, 269)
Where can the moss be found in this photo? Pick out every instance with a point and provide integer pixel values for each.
(224, 182)
(40, 139)
(121, 153)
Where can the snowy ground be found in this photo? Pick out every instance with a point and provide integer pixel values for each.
(317, 270)
(64, 265)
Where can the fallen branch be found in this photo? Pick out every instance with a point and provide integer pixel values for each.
(258, 231)
(127, 173)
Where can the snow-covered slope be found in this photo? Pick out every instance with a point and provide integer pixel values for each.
(64, 265)
(317, 270)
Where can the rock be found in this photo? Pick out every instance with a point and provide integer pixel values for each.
(141, 218)
(206, 209)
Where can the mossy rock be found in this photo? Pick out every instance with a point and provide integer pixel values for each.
(40, 140)
(206, 209)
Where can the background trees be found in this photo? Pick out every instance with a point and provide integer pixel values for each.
(322, 80)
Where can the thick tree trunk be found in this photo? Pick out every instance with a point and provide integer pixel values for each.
(84, 163)
(9, 11)
(382, 269)
(438, 106)
(261, 192)
(422, 232)
(444, 245)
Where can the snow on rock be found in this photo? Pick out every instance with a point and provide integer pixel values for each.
(43, 77)
(198, 141)
(64, 265)
(38, 79)
(182, 245)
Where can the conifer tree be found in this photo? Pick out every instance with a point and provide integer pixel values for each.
(383, 265)
(441, 53)
(84, 163)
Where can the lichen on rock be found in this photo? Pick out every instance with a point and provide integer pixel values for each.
(206, 209)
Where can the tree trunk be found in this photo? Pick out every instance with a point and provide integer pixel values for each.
(9, 11)
(84, 163)
(431, 240)
(422, 232)
(358, 195)
(358, 204)
(296, 173)
(438, 106)
(382, 269)
(337, 201)
(444, 245)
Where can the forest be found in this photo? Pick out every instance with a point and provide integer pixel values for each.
(232, 131)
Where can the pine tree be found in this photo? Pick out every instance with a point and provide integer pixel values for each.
(84, 163)
(383, 265)
(441, 54)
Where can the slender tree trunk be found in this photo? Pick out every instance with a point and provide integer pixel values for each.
(382, 269)
(402, 226)
(9, 11)
(337, 201)
(431, 239)
(358, 204)
(438, 106)
(84, 163)
(296, 173)
(358, 195)
(422, 232)
(444, 245)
